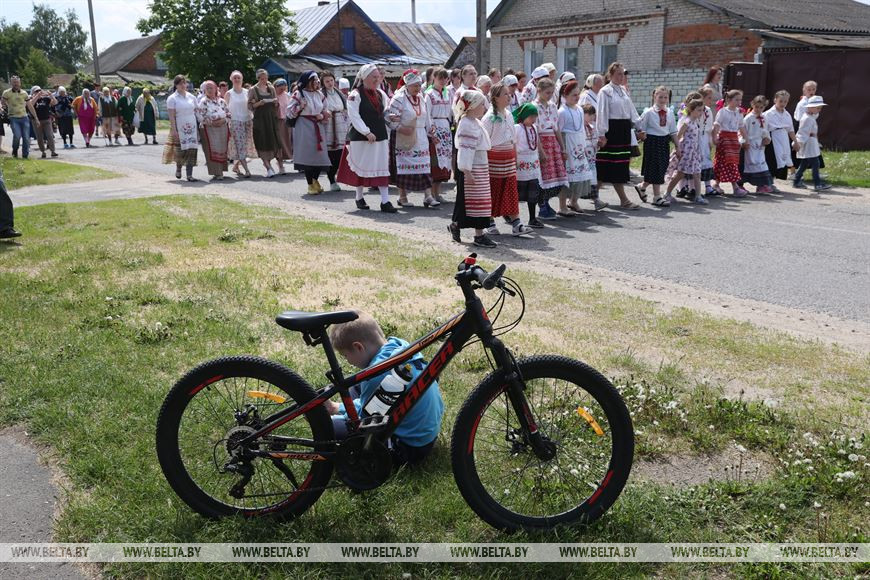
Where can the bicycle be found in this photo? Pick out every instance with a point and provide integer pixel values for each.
(540, 442)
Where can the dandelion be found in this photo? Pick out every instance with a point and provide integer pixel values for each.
(741, 449)
(817, 505)
(782, 506)
(671, 405)
(853, 457)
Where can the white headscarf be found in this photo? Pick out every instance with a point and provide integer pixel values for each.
(540, 73)
(86, 98)
(467, 101)
(509, 80)
(365, 72)
(483, 80)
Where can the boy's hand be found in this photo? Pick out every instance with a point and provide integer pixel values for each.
(332, 407)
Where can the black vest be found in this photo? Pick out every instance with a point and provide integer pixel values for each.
(372, 117)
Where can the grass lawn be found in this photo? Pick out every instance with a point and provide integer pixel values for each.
(105, 305)
(851, 168)
(23, 172)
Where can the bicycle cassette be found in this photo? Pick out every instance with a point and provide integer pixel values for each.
(363, 462)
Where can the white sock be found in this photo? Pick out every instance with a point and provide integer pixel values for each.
(385, 193)
(359, 192)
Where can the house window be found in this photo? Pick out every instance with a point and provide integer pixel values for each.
(348, 40)
(534, 54)
(570, 58)
(605, 55)
(159, 63)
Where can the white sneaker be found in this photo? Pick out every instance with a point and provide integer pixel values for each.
(492, 231)
(270, 173)
(522, 229)
(431, 202)
(599, 205)
(335, 187)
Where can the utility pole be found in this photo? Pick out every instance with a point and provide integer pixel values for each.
(414, 11)
(481, 37)
(94, 43)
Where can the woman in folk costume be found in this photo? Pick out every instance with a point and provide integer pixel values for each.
(502, 157)
(309, 141)
(530, 91)
(563, 78)
(512, 84)
(86, 111)
(183, 140)
(755, 169)
(336, 125)
(410, 109)
(241, 125)
(212, 114)
(366, 159)
(473, 206)
(146, 106)
(441, 145)
(285, 133)
(263, 103)
(468, 83)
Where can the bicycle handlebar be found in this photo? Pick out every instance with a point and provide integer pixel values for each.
(487, 280)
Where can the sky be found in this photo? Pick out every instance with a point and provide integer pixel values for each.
(116, 19)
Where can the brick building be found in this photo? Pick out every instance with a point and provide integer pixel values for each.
(660, 41)
(341, 37)
(137, 59)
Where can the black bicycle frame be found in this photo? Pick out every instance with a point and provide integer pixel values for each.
(458, 330)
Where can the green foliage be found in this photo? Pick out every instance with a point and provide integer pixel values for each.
(211, 38)
(13, 46)
(61, 38)
(36, 68)
(80, 81)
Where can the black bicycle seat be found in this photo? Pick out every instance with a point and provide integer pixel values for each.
(308, 321)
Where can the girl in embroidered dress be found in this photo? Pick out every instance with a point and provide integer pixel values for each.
(366, 159)
(469, 82)
(779, 124)
(413, 166)
(511, 83)
(473, 206)
(309, 142)
(528, 160)
(660, 127)
(573, 130)
(592, 153)
(502, 157)
(336, 125)
(755, 169)
(530, 91)
(727, 128)
(686, 159)
(554, 179)
(284, 132)
(707, 118)
(441, 144)
(241, 125)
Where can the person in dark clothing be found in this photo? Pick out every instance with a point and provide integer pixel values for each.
(6, 213)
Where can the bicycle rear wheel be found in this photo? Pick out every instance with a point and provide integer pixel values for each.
(579, 411)
(200, 420)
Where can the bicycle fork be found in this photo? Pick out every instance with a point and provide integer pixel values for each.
(543, 447)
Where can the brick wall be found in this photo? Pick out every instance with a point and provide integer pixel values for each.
(146, 61)
(368, 42)
(707, 45)
(681, 81)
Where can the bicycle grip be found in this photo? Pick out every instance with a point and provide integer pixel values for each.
(490, 282)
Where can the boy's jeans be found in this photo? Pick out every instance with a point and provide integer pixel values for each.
(20, 132)
(808, 163)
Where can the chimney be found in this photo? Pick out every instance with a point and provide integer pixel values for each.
(324, 3)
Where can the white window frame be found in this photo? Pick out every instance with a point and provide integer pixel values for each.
(562, 44)
(529, 47)
(602, 40)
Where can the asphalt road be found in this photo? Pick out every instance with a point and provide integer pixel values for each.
(796, 249)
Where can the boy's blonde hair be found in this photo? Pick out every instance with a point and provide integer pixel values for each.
(809, 84)
(759, 100)
(364, 329)
(782, 94)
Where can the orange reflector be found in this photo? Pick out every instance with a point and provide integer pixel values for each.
(591, 420)
(264, 395)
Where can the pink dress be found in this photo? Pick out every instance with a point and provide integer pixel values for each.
(87, 117)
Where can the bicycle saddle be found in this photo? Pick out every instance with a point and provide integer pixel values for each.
(308, 321)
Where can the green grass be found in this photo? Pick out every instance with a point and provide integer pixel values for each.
(850, 168)
(20, 173)
(85, 366)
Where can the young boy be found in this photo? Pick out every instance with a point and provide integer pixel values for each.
(755, 169)
(808, 140)
(363, 344)
(592, 153)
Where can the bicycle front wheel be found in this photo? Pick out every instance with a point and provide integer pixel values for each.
(579, 412)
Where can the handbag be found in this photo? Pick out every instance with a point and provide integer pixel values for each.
(136, 119)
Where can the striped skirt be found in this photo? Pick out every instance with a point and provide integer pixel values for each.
(656, 153)
(726, 164)
(612, 161)
(503, 181)
(553, 174)
(473, 206)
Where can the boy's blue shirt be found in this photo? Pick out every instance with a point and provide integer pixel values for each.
(423, 422)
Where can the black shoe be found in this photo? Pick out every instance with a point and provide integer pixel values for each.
(53, 154)
(177, 174)
(388, 208)
(43, 155)
(10, 233)
(683, 192)
(454, 232)
(535, 223)
(691, 195)
(154, 142)
(191, 178)
(361, 204)
(484, 242)
(15, 154)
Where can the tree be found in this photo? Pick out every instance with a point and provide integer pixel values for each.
(211, 38)
(62, 39)
(36, 68)
(13, 46)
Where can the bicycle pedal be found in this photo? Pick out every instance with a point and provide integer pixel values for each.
(374, 422)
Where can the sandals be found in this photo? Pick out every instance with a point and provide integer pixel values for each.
(661, 202)
(575, 209)
(641, 193)
(629, 205)
(566, 214)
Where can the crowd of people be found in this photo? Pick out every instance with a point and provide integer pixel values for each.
(542, 139)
